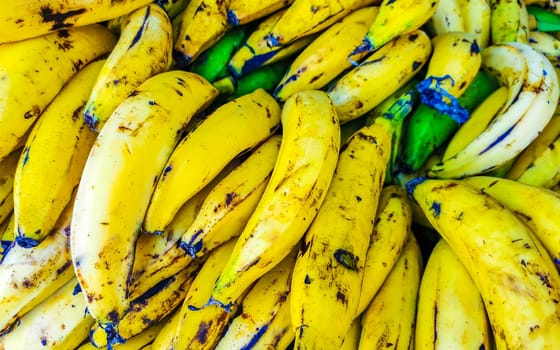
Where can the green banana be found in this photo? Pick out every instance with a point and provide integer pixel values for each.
(547, 21)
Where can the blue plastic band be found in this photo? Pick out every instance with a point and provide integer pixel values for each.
(432, 95)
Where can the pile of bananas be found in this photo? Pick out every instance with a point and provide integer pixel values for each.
(279, 174)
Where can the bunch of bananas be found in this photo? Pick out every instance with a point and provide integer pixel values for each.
(279, 174)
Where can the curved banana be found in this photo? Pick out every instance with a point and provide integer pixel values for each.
(476, 16)
(298, 185)
(448, 17)
(60, 322)
(326, 57)
(241, 12)
(508, 264)
(389, 320)
(52, 160)
(514, 128)
(230, 130)
(268, 299)
(8, 168)
(393, 221)
(328, 273)
(450, 313)
(30, 275)
(366, 86)
(140, 134)
(201, 24)
(33, 71)
(509, 21)
(142, 50)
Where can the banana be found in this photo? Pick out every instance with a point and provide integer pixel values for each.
(139, 342)
(393, 221)
(304, 17)
(328, 273)
(511, 269)
(202, 24)
(389, 320)
(230, 130)
(509, 21)
(302, 174)
(352, 337)
(326, 57)
(164, 337)
(365, 86)
(140, 134)
(8, 168)
(448, 17)
(60, 322)
(476, 16)
(33, 71)
(450, 313)
(241, 12)
(545, 13)
(7, 234)
(24, 19)
(149, 308)
(52, 160)
(396, 18)
(30, 275)
(142, 50)
(262, 304)
(200, 326)
(548, 45)
(544, 171)
(526, 113)
(533, 205)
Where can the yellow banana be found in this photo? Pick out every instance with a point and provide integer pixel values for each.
(326, 57)
(201, 24)
(132, 147)
(448, 17)
(352, 337)
(389, 320)
(138, 342)
(476, 18)
(245, 11)
(544, 171)
(509, 21)
(517, 280)
(163, 339)
(60, 322)
(230, 130)
(328, 273)
(6, 234)
(262, 304)
(30, 275)
(8, 168)
(142, 50)
(304, 17)
(366, 86)
(392, 224)
(23, 19)
(450, 313)
(52, 160)
(33, 71)
(297, 187)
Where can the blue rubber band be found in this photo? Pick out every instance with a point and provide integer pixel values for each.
(432, 95)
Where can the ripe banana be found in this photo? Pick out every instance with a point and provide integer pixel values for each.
(60, 322)
(33, 71)
(24, 19)
(241, 12)
(508, 264)
(366, 86)
(30, 275)
(389, 320)
(133, 147)
(476, 16)
(8, 168)
(448, 17)
(450, 313)
(201, 25)
(326, 57)
(230, 130)
(52, 160)
(328, 273)
(509, 21)
(523, 117)
(298, 185)
(142, 50)
(393, 221)
(544, 171)
(268, 299)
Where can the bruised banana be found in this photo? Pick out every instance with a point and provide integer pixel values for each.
(60, 322)
(302, 174)
(140, 134)
(450, 313)
(509, 266)
(326, 57)
(241, 12)
(388, 322)
(328, 273)
(52, 160)
(233, 128)
(142, 50)
(33, 71)
(509, 21)
(267, 300)
(366, 86)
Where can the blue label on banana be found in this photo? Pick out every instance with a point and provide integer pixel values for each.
(434, 96)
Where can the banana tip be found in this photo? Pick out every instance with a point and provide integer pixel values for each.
(364, 47)
(232, 18)
(411, 184)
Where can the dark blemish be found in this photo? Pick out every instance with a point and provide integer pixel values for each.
(271, 40)
(57, 19)
(368, 138)
(412, 37)
(481, 347)
(255, 338)
(435, 323)
(304, 246)
(64, 267)
(190, 248)
(77, 65)
(315, 78)
(26, 242)
(77, 114)
(341, 297)
(557, 261)
(551, 146)
(201, 7)
(498, 140)
(533, 328)
(123, 128)
(152, 103)
(134, 93)
(140, 31)
(34, 112)
(77, 289)
(436, 209)
(26, 283)
(19, 21)
(365, 46)
(543, 276)
(229, 198)
(527, 246)
(43, 340)
(307, 279)
(380, 59)
(475, 48)
(161, 285)
(416, 65)
(202, 332)
(178, 92)
(346, 259)
(358, 198)
(167, 170)
(113, 336)
(24, 161)
(232, 18)
(411, 185)
(523, 262)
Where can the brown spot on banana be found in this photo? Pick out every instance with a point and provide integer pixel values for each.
(58, 18)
